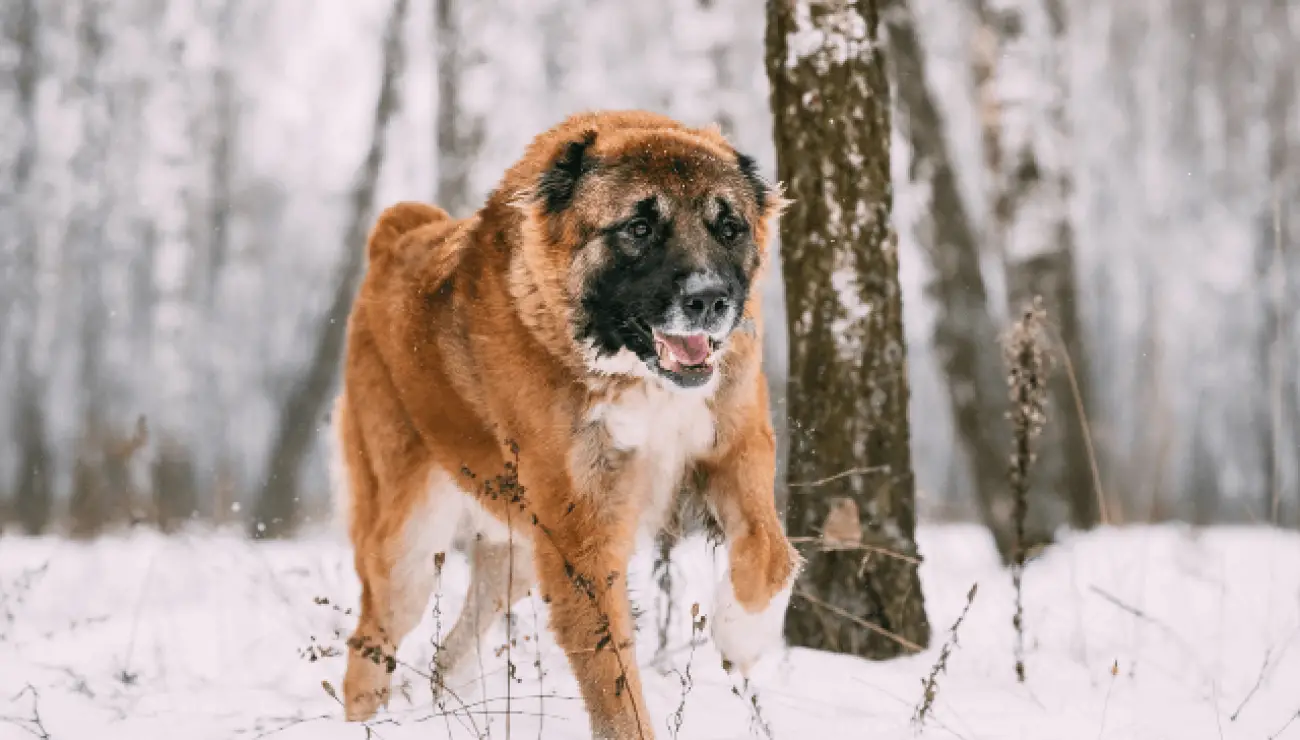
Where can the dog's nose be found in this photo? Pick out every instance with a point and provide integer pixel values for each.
(704, 307)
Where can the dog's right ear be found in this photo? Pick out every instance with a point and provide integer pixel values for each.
(557, 185)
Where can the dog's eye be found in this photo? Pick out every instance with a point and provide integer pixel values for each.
(639, 229)
(729, 230)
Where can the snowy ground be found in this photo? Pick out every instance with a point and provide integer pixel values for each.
(206, 636)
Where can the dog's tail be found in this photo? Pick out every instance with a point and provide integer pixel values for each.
(422, 236)
(398, 220)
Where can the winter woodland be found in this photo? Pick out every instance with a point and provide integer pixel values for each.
(185, 189)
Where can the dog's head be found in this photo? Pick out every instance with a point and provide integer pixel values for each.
(659, 231)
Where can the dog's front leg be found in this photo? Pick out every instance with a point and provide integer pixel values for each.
(581, 558)
(750, 604)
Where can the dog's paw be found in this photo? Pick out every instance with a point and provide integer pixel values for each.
(744, 637)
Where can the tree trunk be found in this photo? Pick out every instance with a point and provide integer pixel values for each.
(33, 494)
(965, 336)
(459, 133)
(175, 497)
(848, 393)
(1023, 99)
(277, 503)
(1281, 409)
(94, 504)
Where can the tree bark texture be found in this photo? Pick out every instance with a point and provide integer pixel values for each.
(304, 408)
(848, 392)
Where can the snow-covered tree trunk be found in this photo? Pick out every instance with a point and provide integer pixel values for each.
(303, 409)
(848, 391)
(965, 335)
(1023, 90)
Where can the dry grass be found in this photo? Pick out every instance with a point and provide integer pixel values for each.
(930, 685)
(1028, 367)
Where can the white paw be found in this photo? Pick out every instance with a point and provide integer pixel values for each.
(744, 637)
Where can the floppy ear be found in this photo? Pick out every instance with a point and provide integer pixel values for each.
(557, 185)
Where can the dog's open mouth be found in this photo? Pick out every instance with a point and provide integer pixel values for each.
(686, 358)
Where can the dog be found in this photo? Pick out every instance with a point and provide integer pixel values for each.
(594, 332)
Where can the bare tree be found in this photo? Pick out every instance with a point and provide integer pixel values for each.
(94, 503)
(1276, 261)
(1023, 90)
(850, 462)
(277, 504)
(33, 499)
(965, 335)
(459, 134)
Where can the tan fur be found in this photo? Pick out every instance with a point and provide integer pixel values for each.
(459, 344)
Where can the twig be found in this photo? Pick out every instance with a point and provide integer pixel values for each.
(34, 726)
(756, 720)
(125, 675)
(687, 681)
(292, 723)
(1103, 510)
(1259, 681)
(858, 621)
(1144, 616)
(867, 548)
(508, 485)
(1114, 671)
(510, 589)
(931, 684)
(683, 648)
(839, 475)
(436, 680)
(16, 594)
(1282, 729)
(541, 673)
(1218, 721)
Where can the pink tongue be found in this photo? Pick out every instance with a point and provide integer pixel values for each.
(689, 350)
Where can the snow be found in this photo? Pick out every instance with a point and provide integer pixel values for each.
(201, 635)
(836, 36)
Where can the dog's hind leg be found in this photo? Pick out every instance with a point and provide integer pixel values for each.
(501, 573)
(395, 559)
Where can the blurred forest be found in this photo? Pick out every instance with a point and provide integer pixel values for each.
(185, 188)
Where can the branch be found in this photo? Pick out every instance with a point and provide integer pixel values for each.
(858, 621)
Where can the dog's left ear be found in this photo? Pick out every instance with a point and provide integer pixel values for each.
(556, 186)
(769, 199)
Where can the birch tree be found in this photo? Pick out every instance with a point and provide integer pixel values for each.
(300, 415)
(1021, 55)
(33, 495)
(965, 334)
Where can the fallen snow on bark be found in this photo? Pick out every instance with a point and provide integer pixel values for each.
(837, 35)
(209, 636)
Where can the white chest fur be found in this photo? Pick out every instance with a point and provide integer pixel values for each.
(665, 430)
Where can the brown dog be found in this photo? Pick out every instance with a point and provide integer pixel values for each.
(592, 332)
